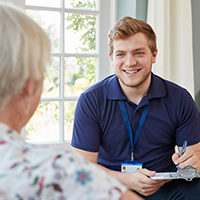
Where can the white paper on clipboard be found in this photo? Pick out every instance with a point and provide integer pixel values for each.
(165, 175)
(187, 173)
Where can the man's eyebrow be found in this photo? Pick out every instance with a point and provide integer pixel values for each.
(138, 49)
(119, 51)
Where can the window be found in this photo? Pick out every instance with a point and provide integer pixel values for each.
(78, 33)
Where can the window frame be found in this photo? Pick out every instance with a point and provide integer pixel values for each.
(106, 9)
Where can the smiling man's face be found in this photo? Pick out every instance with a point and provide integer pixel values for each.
(132, 60)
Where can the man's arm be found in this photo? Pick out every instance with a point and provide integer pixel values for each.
(138, 181)
(190, 157)
(128, 195)
(91, 156)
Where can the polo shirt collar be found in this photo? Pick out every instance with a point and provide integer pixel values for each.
(113, 89)
(157, 89)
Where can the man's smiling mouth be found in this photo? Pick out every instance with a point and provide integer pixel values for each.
(132, 72)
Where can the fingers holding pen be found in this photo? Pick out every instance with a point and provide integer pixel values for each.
(189, 158)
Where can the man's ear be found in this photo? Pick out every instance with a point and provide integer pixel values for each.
(111, 58)
(154, 56)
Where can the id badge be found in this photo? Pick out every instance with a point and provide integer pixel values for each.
(130, 166)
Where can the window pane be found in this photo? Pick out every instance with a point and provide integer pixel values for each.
(44, 125)
(45, 3)
(50, 22)
(51, 82)
(80, 33)
(79, 75)
(84, 4)
(69, 119)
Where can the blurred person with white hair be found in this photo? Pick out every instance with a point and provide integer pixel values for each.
(31, 171)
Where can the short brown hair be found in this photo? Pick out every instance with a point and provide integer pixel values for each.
(129, 26)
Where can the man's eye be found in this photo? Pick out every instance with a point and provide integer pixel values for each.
(139, 53)
(121, 54)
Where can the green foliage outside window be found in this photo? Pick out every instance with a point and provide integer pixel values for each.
(79, 71)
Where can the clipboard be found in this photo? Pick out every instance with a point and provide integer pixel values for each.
(187, 173)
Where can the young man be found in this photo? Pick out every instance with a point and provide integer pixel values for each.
(135, 114)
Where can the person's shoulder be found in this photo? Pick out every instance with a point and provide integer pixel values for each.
(61, 169)
(171, 86)
(72, 169)
(101, 85)
(98, 91)
(175, 91)
(167, 83)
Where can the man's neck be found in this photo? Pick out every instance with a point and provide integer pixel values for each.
(135, 94)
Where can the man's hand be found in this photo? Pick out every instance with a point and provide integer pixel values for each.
(141, 182)
(190, 157)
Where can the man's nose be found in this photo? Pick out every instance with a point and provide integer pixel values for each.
(130, 60)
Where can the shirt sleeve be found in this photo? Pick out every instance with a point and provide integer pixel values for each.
(189, 121)
(86, 130)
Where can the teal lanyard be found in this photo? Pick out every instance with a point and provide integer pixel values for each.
(128, 125)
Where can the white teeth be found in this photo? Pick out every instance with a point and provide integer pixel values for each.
(131, 72)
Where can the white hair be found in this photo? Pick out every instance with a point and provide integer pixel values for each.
(24, 51)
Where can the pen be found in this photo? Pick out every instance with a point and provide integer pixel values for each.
(183, 150)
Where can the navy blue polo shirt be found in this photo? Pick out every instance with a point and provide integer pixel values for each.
(99, 127)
